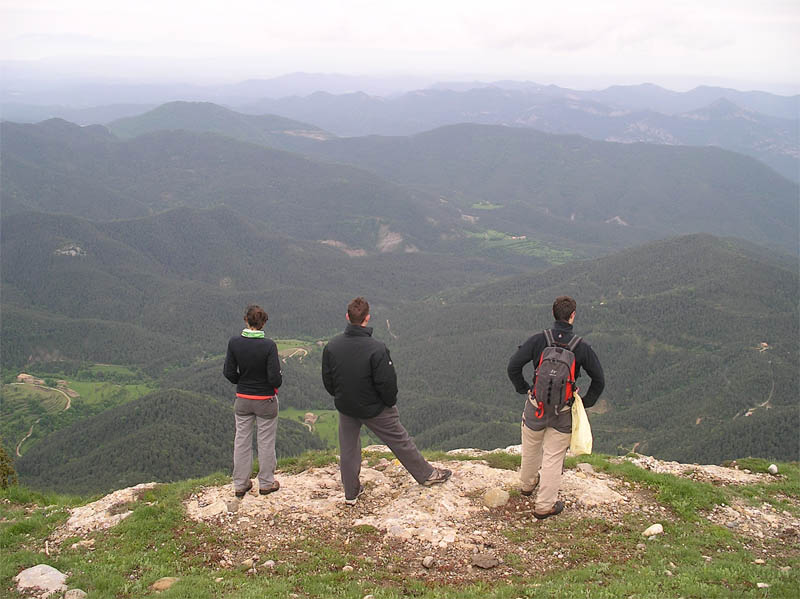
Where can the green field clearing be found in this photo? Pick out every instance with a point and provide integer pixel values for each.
(491, 239)
(327, 426)
(284, 344)
(111, 370)
(486, 206)
(21, 406)
(107, 394)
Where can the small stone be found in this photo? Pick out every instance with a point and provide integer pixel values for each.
(495, 497)
(232, 505)
(428, 561)
(219, 579)
(584, 467)
(581, 475)
(785, 568)
(759, 561)
(162, 584)
(762, 585)
(269, 564)
(667, 573)
(655, 529)
(75, 594)
(369, 596)
(248, 563)
(347, 569)
(773, 469)
(641, 546)
(732, 524)
(485, 561)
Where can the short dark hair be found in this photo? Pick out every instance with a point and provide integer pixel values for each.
(563, 307)
(357, 310)
(255, 316)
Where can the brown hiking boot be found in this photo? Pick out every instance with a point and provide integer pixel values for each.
(271, 489)
(529, 492)
(241, 493)
(439, 475)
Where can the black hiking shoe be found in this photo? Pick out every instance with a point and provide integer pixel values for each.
(529, 492)
(354, 500)
(243, 492)
(558, 507)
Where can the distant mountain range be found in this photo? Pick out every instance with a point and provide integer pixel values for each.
(759, 124)
(455, 187)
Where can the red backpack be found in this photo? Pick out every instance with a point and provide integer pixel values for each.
(554, 379)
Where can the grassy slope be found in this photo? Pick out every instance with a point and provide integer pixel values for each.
(157, 540)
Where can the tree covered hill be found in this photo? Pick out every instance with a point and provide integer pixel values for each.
(585, 190)
(160, 290)
(445, 190)
(59, 167)
(678, 326)
(764, 127)
(166, 436)
(268, 130)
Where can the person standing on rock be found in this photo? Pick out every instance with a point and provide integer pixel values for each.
(252, 364)
(546, 434)
(358, 372)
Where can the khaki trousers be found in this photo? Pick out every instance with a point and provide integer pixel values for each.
(543, 455)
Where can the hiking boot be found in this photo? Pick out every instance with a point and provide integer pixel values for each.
(529, 492)
(270, 489)
(354, 500)
(439, 475)
(243, 492)
(558, 507)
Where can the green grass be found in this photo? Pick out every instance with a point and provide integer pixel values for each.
(494, 240)
(486, 206)
(20, 407)
(284, 344)
(601, 560)
(327, 426)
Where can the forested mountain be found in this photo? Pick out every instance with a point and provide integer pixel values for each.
(268, 130)
(452, 189)
(601, 116)
(678, 326)
(165, 436)
(59, 167)
(585, 190)
(152, 279)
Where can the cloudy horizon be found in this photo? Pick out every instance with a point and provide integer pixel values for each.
(679, 46)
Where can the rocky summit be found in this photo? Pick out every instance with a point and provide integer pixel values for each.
(446, 533)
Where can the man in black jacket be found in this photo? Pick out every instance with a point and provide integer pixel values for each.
(546, 435)
(357, 371)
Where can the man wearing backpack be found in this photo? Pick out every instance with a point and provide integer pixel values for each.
(558, 356)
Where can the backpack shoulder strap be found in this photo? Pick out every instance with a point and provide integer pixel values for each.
(573, 343)
(548, 335)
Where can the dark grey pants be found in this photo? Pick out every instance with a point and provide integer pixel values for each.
(264, 414)
(388, 428)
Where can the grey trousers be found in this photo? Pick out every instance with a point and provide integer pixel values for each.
(388, 428)
(247, 413)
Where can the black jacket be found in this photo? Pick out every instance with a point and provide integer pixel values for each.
(584, 358)
(357, 371)
(253, 366)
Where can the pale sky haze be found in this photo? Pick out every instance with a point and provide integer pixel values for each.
(678, 44)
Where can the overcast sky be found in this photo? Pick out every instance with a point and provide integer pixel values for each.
(678, 44)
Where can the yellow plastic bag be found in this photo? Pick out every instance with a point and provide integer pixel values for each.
(581, 441)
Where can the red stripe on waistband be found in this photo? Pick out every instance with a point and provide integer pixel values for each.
(243, 396)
